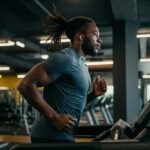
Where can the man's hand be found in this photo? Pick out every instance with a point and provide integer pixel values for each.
(99, 86)
(63, 122)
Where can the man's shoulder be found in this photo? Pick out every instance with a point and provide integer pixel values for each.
(66, 52)
(61, 56)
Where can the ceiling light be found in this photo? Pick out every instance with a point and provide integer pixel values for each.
(146, 76)
(20, 75)
(44, 56)
(49, 41)
(65, 40)
(0, 76)
(99, 63)
(4, 68)
(145, 60)
(142, 35)
(20, 44)
(4, 88)
(7, 43)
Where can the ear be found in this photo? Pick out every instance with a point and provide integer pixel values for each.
(79, 36)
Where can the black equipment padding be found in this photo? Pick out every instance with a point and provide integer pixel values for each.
(144, 117)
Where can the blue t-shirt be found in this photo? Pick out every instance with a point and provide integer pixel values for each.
(67, 93)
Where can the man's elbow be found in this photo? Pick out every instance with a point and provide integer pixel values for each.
(21, 87)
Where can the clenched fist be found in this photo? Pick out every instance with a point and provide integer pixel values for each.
(99, 86)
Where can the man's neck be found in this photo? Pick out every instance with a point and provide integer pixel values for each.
(78, 49)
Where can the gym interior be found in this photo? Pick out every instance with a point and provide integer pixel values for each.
(111, 121)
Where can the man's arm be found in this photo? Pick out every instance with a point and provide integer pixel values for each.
(91, 96)
(99, 88)
(29, 89)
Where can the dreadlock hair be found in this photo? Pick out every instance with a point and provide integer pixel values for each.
(63, 26)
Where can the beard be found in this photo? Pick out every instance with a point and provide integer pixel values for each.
(89, 50)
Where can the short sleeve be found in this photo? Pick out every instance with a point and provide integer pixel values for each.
(57, 65)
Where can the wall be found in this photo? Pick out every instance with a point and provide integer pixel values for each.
(11, 82)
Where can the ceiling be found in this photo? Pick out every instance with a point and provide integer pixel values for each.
(21, 20)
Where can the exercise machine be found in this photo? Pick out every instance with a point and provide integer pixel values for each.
(122, 129)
